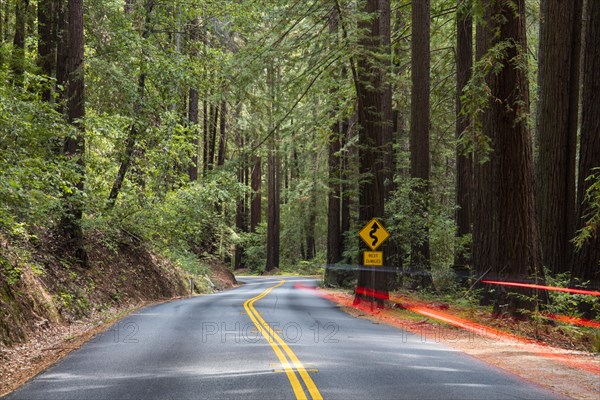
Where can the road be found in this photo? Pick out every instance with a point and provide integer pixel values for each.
(215, 346)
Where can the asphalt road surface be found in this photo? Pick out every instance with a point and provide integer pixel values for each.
(216, 346)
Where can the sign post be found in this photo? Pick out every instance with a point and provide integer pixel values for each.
(373, 234)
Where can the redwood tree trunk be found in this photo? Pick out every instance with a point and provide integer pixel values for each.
(419, 134)
(18, 52)
(586, 265)
(312, 213)
(464, 164)
(74, 147)
(371, 91)
(273, 179)
(273, 216)
(560, 47)
(62, 43)
(509, 243)
(46, 42)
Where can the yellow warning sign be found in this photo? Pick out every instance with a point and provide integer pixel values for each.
(373, 234)
(374, 258)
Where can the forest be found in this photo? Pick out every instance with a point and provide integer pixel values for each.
(265, 134)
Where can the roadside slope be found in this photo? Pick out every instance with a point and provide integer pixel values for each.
(50, 305)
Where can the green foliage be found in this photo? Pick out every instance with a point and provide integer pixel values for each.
(11, 273)
(592, 217)
(32, 176)
(563, 303)
(255, 252)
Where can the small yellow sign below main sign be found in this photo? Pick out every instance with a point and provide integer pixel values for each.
(374, 258)
(373, 234)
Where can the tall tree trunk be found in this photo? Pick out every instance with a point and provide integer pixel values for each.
(2, 11)
(371, 90)
(18, 52)
(74, 147)
(273, 216)
(2, 26)
(6, 19)
(558, 77)
(223, 134)
(312, 213)
(274, 183)
(256, 202)
(509, 243)
(62, 44)
(419, 134)
(586, 265)
(46, 42)
(482, 180)
(464, 164)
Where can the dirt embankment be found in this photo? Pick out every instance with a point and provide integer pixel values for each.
(41, 286)
(50, 305)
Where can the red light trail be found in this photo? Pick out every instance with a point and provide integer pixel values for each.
(542, 287)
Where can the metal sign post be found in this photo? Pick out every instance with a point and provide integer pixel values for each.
(373, 234)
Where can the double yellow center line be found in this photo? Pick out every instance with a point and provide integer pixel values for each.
(291, 366)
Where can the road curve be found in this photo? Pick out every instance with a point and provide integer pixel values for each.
(267, 339)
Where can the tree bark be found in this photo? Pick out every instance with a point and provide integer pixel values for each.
(509, 242)
(46, 42)
(274, 182)
(586, 265)
(273, 216)
(419, 134)
(6, 19)
(62, 45)
(482, 180)
(18, 52)
(311, 212)
(464, 163)
(74, 147)
(371, 91)
(557, 120)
